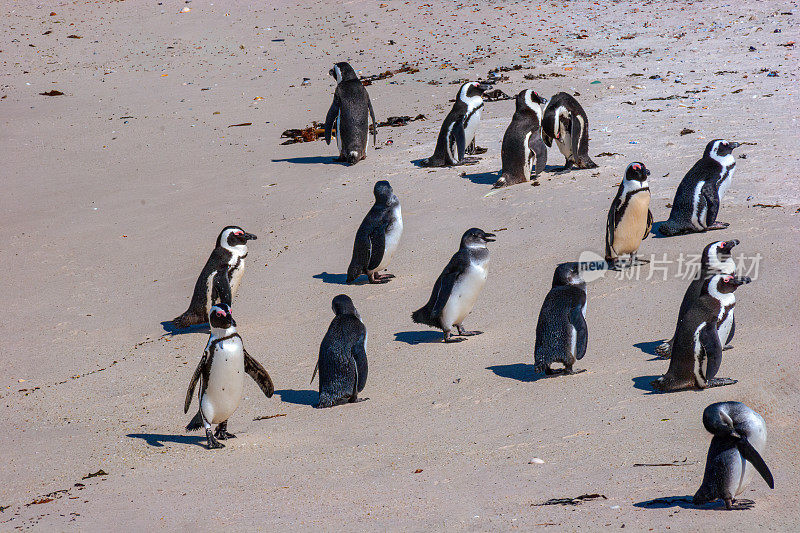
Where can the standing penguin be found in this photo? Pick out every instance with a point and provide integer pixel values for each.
(735, 451)
(523, 152)
(697, 350)
(629, 219)
(566, 122)
(377, 236)
(349, 110)
(221, 374)
(561, 333)
(457, 135)
(220, 278)
(697, 200)
(716, 259)
(342, 362)
(456, 290)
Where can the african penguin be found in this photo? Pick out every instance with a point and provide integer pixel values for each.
(226, 261)
(716, 259)
(377, 237)
(697, 350)
(629, 218)
(342, 361)
(457, 288)
(734, 454)
(697, 200)
(349, 110)
(561, 333)
(565, 121)
(457, 134)
(523, 152)
(221, 374)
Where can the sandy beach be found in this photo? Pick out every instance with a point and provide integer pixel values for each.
(116, 189)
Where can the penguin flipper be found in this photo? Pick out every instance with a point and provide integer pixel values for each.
(709, 339)
(755, 459)
(374, 125)
(576, 132)
(316, 367)
(362, 251)
(259, 374)
(193, 383)
(730, 333)
(377, 241)
(611, 225)
(330, 118)
(540, 150)
(581, 331)
(445, 285)
(649, 224)
(360, 356)
(460, 138)
(222, 287)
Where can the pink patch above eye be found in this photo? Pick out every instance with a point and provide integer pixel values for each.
(636, 167)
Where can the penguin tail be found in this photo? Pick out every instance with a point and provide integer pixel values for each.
(196, 422)
(422, 316)
(668, 228)
(189, 318)
(352, 158)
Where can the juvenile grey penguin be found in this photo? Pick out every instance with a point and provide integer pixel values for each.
(523, 152)
(221, 374)
(226, 261)
(740, 436)
(348, 111)
(697, 199)
(342, 361)
(457, 134)
(629, 218)
(561, 333)
(566, 122)
(697, 350)
(716, 259)
(377, 237)
(456, 290)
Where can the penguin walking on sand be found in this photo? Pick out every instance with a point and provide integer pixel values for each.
(561, 333)
(523, 152)
(342, 361)
(697, 350)
(740, 436)
(221, 374)
(457, 134)
(456, 290)
(716, 259)
(349, 110)
(629, 219)
(697, 200)
(377, 237)
(220, 278)
(566, 122)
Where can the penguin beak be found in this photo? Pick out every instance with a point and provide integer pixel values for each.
(249, 236)
(646, 172)
(733, 145)
(543, 100)
(489, 237)
(483, 87)
(741, 280)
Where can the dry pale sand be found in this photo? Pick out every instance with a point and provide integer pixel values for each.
(114, 193)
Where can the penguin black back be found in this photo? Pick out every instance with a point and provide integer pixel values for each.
(523, 152)
(566, 122)
(350, 112)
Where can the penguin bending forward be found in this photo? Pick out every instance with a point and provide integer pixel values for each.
(629, 219)
(523, 152)
(220, 278)
(457, 134)
(566, 122)
(697, 199)
(342, 361)
(697, 350)
(456, 290)
(221, 374)
(735, 452)
(561, 333)
(348, 111)
(716, 259)
(377, 237)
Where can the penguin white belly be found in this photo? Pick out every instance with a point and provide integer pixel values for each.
(392, 240)
(573, 344)
(629, 232)
(724, 329)
(339, 131)
(725, 183)
(236, 277)
(471, 127)
(564, 143)
(464, 295)
(225, 382)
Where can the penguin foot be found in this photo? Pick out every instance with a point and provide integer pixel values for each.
(640, 261)
(479, 150)
(222, 432)
(377, 280)
(727, 347)
(466, 333)
(717, 225)
(729, 503)
(664, 350)
(720, 382)
(571, 372)
(213, 443)
(448, 337)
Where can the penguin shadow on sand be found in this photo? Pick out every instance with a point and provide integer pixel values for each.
(520, 371)
(418, 337)
(650, 349)
(312, 160)
(299, 397)
(482, 178)
(158, 440)
(643, 383)
(339, 279)
(685, 502)
(172, 330)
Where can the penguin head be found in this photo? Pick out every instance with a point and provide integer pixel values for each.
(528, 98)
(384, 194)
(636, 172)
(718, 420)
(233, 236)
(343, 305)
(717, 257)
(342, 72)
(472, 90)
(220, 317)
(568, 274)
(476, 238)
(726, 283)
(720, 148)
